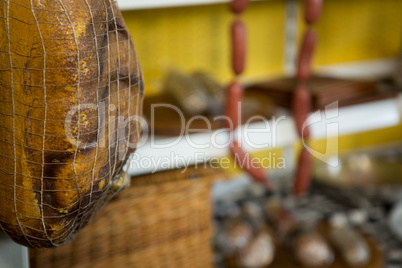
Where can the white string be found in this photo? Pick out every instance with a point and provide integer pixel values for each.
(13, 104)
(47, 114)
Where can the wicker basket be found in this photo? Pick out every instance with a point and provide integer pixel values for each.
(162, 220)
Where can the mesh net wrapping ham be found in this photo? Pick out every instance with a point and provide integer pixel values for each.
(70, 92)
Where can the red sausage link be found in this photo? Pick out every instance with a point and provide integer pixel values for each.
(238, 46)
(256, 172)
(234, 96)
(303, 173)
(306, 54)
(301, 109)
(238, 6)
(312, 10)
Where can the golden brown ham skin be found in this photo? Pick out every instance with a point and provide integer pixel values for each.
(70, 86)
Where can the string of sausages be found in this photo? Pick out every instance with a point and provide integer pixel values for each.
(301, 97)
(235, 90)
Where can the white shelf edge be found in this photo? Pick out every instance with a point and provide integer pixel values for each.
(352, 119)
(145, 4)
(368, 69)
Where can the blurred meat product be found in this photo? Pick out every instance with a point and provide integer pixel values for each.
(259, 252)
(398, 73)
(301, 109)
(238, 231)
(235, 234)
(70, 86)
(233, 101)
(238, 6)
(301, 239)
(312, 11)
(303, 173)
(324, 90)
(238, 46)
(215, 92)
(302, 97)
(280, 218)
(306, 55)
(187, 93)
(238, 34)
(256, 172)
(309, 248)
(246, 239)
(395, 220)
(256, 107)
(254, 211)
(351, 245)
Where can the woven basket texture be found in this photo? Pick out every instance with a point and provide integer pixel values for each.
(162, 220)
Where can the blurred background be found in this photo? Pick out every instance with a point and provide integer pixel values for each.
(190, 214)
